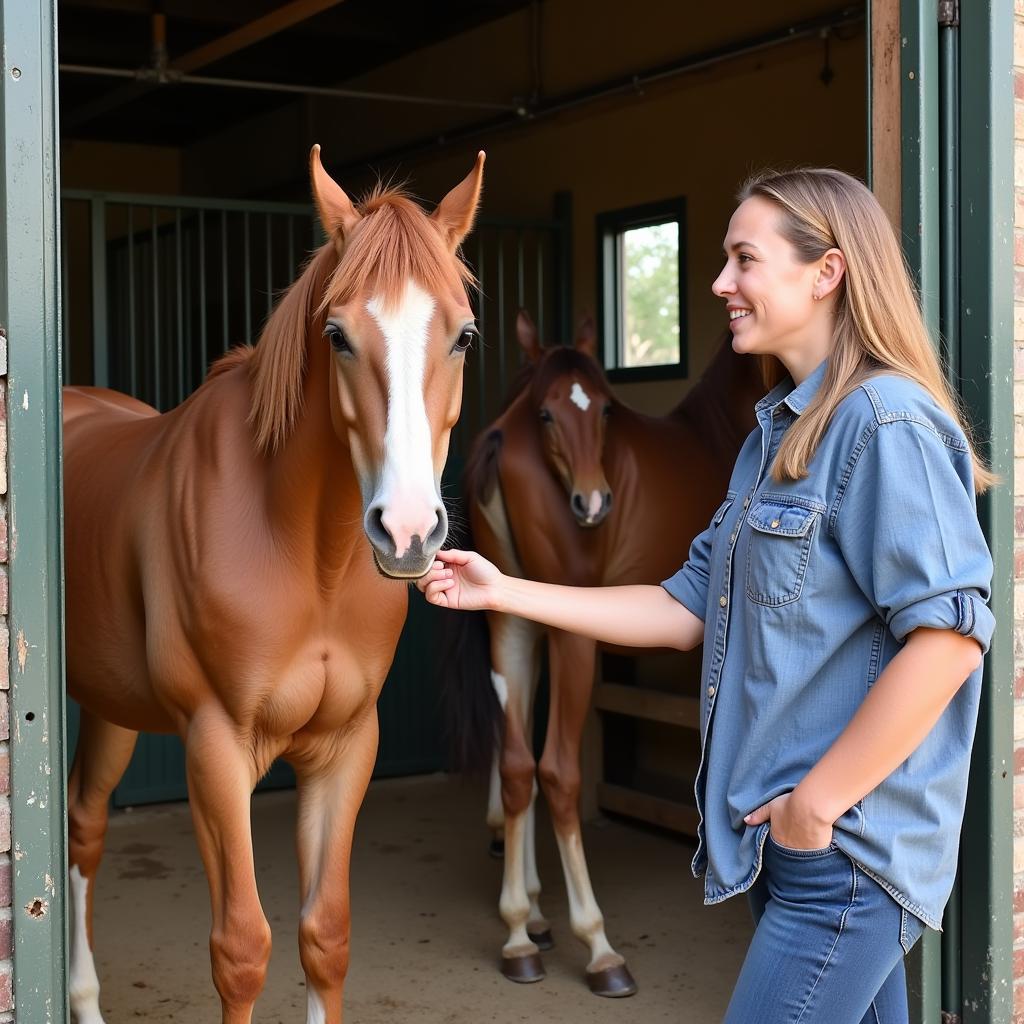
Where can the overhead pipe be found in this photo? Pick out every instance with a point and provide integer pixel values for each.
(166, 75)
(628, 85)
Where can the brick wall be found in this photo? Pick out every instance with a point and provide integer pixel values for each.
(1018, 532)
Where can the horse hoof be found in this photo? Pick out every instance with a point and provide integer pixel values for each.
(612, 982)
(497, 849)
(542, 940)
(524, 969)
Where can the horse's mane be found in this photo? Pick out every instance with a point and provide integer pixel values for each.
(395, 242)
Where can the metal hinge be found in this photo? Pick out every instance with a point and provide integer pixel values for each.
(949, 13)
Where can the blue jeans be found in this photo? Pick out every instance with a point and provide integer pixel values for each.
(828, 947)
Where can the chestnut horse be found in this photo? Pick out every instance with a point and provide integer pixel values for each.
(571, 486)
(232, 566)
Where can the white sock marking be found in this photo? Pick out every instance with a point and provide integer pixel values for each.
(500, 688)
(579, 397)
(83, 985)
(315, 1012)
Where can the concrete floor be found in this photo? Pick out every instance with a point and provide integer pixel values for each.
(426, 934)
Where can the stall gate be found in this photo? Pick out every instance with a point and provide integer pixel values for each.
(155, 289)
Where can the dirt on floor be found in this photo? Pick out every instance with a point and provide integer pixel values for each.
(426, 935)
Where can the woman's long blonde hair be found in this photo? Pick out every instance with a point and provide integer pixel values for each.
(878, 323)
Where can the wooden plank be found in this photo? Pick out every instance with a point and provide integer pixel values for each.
(885, 106)
(653, 705)
(655, 810)
(278, 20)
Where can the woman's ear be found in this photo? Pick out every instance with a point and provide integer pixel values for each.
(831, 271)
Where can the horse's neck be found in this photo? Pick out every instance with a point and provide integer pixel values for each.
(720, 406)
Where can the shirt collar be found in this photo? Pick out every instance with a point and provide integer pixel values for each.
(797, 397)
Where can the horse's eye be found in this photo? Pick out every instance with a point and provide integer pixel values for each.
(336, 336)
(465, 340)
(607, 410)
(546, 417)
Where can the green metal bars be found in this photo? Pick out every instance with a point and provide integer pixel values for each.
(30, 312)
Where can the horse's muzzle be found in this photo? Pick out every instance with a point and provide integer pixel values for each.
(591, 510)
(417, 556)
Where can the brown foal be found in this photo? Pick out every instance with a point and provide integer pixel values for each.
(232, 566)
(570, 486)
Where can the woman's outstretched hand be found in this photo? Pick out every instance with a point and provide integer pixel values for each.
(461, 579)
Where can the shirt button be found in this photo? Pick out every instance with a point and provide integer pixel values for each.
(711, 691)
(723, 600)
(775, 523)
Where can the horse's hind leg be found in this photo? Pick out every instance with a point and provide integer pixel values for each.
(103, 753)
(572, 676)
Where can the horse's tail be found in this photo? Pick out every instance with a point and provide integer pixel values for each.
(471, 710)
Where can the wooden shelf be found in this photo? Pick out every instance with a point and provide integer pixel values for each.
(655, 810)
(653, 705)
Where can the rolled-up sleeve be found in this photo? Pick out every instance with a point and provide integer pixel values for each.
(908, 529)
(689, 586)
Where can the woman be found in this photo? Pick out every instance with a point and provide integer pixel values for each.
(840, 592)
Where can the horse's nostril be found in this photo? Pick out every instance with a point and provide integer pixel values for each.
(578, 505)
(376, 531)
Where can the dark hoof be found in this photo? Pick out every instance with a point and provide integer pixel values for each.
(524, 969)
(612, 982)
(497, 849)
(542, 940)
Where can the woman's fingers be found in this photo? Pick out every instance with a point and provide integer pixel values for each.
(455, 556)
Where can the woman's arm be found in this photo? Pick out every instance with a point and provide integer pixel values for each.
(635, 616)
(898, 712)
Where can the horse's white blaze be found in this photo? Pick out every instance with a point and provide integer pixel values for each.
(595, 504)
(500, 685)
(408, 491)
(315, 1012)
(83, 985)
(579, 397)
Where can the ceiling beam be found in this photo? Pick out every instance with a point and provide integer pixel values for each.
(270, 24)
(262, 28)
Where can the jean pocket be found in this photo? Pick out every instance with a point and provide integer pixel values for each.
(789, 851)
(911, 929)
(780, 543)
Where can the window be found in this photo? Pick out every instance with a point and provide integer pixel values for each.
(641, 300)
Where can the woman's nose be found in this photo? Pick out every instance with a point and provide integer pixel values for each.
(722, 285)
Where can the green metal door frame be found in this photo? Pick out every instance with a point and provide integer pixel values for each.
(29, 311)
(957, 126)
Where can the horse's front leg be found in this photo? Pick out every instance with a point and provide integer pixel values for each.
(572, 677)
(332, 777)
(514, 670)
(221, 777)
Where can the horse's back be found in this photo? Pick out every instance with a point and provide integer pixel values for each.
(86, 401)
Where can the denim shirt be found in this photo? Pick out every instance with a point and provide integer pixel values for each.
(807, 590)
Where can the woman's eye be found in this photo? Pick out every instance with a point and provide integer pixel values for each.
(744, 257)
(336, 336)
(465, 340)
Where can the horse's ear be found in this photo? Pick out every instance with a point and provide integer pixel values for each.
(586, 337)
(529, 339)
(337, 214)
(456, 212)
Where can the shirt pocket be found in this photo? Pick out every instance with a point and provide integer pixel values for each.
(780, 543)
